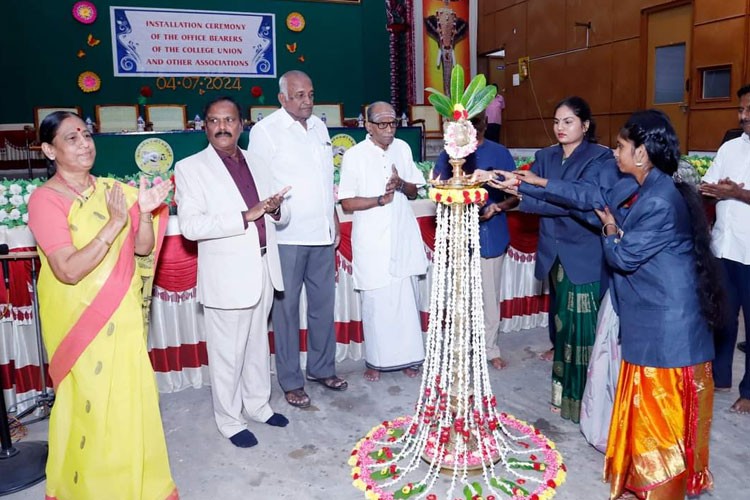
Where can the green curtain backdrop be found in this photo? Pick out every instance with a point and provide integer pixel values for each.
(345, 47)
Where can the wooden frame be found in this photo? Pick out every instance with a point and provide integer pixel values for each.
(116, 118)
(41, 112)
(334, 113)
(166, 117)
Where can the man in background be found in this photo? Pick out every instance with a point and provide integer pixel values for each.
(227, 205)
(493, 228)
(295, 148)
(495, 117)
(378, 176)
(726, 180)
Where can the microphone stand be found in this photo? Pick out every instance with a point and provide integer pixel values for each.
(44, 400)
(21, 465)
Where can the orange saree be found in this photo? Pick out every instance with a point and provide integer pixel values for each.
(658, 438)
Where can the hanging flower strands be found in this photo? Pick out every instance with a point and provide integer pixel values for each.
(457, 430)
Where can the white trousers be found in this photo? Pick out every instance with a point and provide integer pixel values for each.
(491, 269)
(239, 361)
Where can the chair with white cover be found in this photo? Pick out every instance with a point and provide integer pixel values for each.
(256, 112)
(116, 117)
(334, 113)
(41, 112)
(425, 116)
(166, 117)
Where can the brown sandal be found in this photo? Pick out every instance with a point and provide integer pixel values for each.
(297, 398)
(333, 382)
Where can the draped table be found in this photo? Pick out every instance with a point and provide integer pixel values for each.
(176, 339)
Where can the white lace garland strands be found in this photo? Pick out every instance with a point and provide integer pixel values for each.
(456, 430)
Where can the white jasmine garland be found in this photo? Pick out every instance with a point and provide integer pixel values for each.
(460, 138)
(16, 200)
(14, 214)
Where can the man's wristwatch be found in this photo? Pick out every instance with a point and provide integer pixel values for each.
(381, 201)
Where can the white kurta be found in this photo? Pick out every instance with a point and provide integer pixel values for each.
(365, 170)
(387, 253)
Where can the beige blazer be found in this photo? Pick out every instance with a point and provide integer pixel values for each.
(209, 211)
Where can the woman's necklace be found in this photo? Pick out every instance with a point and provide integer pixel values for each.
(90, 182)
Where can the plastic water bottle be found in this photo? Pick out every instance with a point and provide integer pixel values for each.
(141, 124)
(360, 120)
(197, 122)
(259, 117)
(323, 117)
(89, 125)
(404, 120)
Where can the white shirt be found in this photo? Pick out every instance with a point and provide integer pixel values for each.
(731, 232)
(302, 159)
(365, 170)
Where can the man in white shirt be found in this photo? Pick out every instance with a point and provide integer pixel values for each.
(726, 181)
(295, 147)
(378, 176)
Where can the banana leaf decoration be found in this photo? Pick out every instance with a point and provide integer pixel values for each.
(462, 104)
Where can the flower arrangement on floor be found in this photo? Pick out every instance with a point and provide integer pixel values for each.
(456, 429)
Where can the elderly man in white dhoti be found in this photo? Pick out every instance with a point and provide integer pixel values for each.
(378, 177)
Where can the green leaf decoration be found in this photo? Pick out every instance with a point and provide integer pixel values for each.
(416, 490)
(470, 493)
(457, 84)
(442, 105)
(477, 83)
(474, 99)
(481, 100)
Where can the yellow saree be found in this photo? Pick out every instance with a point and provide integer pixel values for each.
(658, 438)
(105, 433)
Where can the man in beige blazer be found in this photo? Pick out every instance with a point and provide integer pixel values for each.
(229, 207)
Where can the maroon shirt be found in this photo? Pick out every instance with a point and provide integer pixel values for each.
(243, 179)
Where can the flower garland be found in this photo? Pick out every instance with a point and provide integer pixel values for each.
(15, 194)
(460, 138)
(458, 196)
(456, 426)
(14, 200)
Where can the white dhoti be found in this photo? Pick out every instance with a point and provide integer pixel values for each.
(392, 327)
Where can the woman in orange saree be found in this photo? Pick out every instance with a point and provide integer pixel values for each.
(669, 302)
(105, 433)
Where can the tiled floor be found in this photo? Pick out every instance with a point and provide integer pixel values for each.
(307, 460)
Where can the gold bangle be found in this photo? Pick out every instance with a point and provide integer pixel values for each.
(109, 245)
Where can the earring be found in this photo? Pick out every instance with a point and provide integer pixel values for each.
(639, 164)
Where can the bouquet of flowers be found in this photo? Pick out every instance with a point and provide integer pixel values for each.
(460, 136)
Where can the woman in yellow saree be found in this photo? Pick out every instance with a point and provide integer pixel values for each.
(105, 433)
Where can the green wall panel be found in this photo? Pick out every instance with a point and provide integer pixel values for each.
(345, 49)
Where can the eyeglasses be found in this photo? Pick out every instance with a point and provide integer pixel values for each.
(385, 125)
(229, 120)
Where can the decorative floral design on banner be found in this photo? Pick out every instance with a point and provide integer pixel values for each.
(88, 81)
(84, 12)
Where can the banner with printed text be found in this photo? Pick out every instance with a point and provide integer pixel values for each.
(172, 42)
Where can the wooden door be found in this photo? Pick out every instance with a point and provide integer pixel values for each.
(668, 65)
